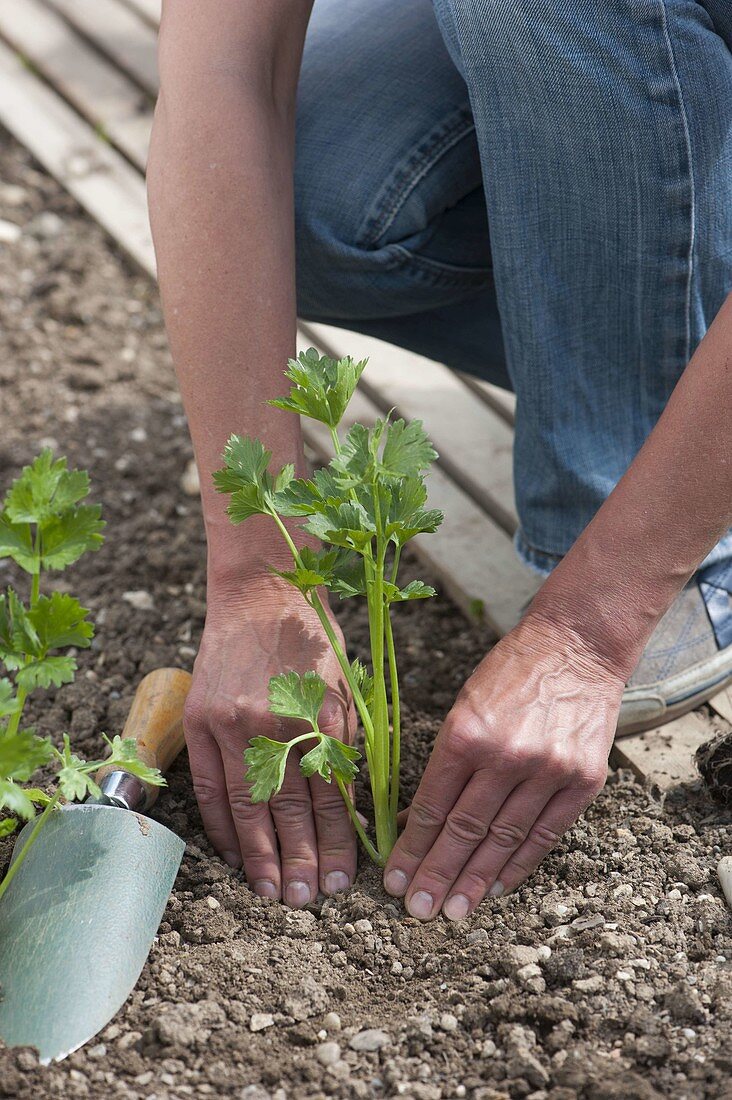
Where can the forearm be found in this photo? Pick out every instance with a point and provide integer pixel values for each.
(221, 208)
(664, 516)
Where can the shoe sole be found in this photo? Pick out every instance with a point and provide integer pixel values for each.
(676, 710)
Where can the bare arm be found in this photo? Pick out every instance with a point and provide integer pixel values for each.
(221, 204)
(221, 207)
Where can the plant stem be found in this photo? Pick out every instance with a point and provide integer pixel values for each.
(395, 718)
(40, 822)
(385, 827)
(376, 856)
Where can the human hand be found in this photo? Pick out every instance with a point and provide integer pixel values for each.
(521, 754)
(302, 838)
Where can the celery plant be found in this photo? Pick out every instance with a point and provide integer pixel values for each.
(364, 507)
(45, 526)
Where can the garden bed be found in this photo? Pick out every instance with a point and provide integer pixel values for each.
(607, 976)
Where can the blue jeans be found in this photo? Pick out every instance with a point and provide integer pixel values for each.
(535, 191)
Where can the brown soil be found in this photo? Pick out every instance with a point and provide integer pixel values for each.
(608, 976)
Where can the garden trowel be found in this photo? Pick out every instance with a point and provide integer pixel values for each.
(80, 916)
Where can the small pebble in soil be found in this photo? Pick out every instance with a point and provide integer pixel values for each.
(260, 1021)
(371, 1039)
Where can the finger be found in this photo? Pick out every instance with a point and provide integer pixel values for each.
(506, 834)
(336, 838)
(403, 817)
(254, 829)
(292, 812)
(465, 827)
(441, 786)
(559, 816)
(209, 787)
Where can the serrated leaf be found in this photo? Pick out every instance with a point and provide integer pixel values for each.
(294, 696)
(15, 799)
(124, 751)
(8, 701)
(406, 516)
(415, 590)
(17, 634)
(355, 463)
(75, 784)
(321, 387)
(347, 525)
(21, 754)
(407, 450)
(364, 680)
(59, 620)
(16, 542)
(8, 826)
(65, 538)
(348, 576)
(46, 671)
(246, 461)
(265, 762)
(330, 758)
(246, 501)
(43, 489)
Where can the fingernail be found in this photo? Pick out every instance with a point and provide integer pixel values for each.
(396, 883)
(456, 907)
(335, 881)
(263, 888)
(496, 890)
(420, 905)
(297, 894)
(232, 858)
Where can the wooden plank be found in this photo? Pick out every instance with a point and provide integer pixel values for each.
(149, 10)
(663, 757)
(89, 82)
(501, 401)
(119, 33)
(98, 177)
(475, 445)
(722, 704)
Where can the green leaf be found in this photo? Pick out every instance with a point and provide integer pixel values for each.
(406, 516)
(321, 387)
(65, 538)
(294, 696)
(22, 753)
(265, 761)
(126, 753)
(8, 702)
(348, 577)
(331, 758)
(415, 590)
(248, 500)
(347, 525)
(60, 620)
(15, 799)
(45, 671)
(17, 633)
(245, 463)
(364, 680)
(407, 450)
(75, 784)
(356, 462)
(45, 488)
(317, 568)
(16, 542)
(8, 826)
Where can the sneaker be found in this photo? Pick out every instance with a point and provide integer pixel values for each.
(688, 658)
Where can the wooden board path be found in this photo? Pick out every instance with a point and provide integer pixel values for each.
(97, 61)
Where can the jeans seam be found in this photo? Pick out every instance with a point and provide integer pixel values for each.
(413, 172)
(690, 159)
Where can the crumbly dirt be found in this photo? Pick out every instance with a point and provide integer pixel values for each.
(608, 976)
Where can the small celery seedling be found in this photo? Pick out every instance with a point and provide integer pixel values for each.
(45, 526)
(364, 507)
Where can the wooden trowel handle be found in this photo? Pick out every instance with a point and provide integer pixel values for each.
(155, 722)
